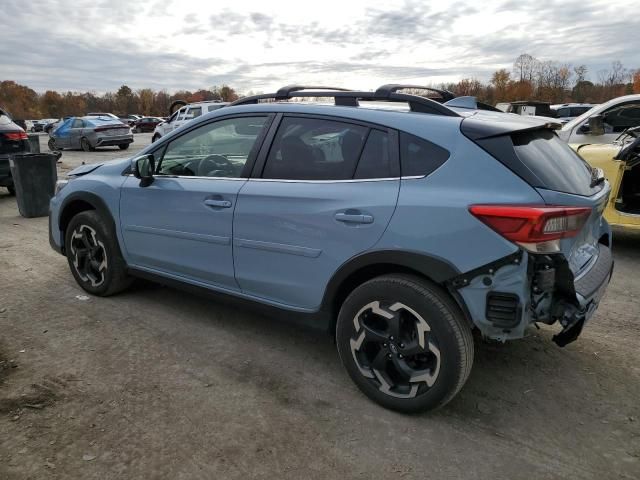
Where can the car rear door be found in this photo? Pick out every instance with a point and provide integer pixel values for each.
(322, 193)
(75, 133)
(181, 224)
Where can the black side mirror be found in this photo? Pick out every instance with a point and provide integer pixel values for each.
(143, 167)
(596, 125)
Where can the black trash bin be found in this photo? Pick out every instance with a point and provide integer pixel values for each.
(34, 177)
(34, 143)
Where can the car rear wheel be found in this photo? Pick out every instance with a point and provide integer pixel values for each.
(94, 255)
(52, 145)
(138, 130)
(123, 146)
(404, 342)
(86, 145)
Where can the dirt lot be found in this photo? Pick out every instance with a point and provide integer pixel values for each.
(155, 383)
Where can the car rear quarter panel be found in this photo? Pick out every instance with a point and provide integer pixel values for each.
(433, 216)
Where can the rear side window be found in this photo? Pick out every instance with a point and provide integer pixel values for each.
(553, 162)
(419, 157)
(315, 149)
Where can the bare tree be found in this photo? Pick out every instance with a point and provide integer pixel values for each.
(525, 67)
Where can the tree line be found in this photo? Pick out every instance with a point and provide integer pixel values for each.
(23, 102)
(528, 79)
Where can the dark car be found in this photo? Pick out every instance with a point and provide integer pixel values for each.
(146, 124)
(13, 139)
(130, 119)
(49, 127)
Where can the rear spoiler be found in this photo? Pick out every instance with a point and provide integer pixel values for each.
(488, 125)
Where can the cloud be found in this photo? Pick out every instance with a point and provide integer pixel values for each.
(101, 44)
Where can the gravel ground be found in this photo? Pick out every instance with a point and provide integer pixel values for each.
(156, 383)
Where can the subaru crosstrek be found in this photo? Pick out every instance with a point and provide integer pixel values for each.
(396, 222)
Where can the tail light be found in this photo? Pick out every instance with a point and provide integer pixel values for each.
(536, 228)
(16, 136)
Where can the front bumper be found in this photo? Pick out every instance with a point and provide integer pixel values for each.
(55, 234)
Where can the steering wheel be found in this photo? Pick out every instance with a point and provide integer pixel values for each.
(212, 163)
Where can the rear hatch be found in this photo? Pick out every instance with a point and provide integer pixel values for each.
(533, 151)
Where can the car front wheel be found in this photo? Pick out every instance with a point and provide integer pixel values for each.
(94, 255)
(404, 342)
(123, 146)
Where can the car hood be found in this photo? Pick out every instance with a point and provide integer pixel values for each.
(91, 167)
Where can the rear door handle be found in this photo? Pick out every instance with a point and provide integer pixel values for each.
(353, 218)
(217, 203)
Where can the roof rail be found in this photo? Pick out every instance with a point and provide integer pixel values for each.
(390, 88)
(285, 92)
(345, 97)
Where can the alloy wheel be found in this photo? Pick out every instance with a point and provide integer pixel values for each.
(89, 255)
(394, 348)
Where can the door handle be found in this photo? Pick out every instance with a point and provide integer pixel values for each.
(217, 203)
(353, 217)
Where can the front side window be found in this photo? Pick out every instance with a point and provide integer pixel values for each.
(181, 113)
(218, 149)
(315, 149)
(621, 117)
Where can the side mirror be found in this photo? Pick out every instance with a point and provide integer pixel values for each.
(143, 167)
(596, 125)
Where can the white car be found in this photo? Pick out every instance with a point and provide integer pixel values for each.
(183, 115)
(603, 123)
(565, 112)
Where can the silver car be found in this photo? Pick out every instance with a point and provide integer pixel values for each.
(90, 132)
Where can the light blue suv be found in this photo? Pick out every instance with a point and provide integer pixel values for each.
(396, 222)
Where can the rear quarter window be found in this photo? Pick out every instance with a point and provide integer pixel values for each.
(419, 157)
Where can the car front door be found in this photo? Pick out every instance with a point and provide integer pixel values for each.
(325, 193)
(615, 119)
(181, 224)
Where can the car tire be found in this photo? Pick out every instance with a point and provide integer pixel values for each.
(85, 144)
(123, 146)
(428, 360)
(138, 130)
(155, 138)
(12, 189)
(94, 255)
(52, 145)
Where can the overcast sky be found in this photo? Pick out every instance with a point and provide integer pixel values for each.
(98, 45)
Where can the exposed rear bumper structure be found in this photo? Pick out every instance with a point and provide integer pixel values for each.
(506, 296)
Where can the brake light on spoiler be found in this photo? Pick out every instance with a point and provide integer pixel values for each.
(535, 228)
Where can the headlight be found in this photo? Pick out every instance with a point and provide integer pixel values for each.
(60, 184)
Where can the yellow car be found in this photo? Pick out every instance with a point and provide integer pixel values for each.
(620, 162)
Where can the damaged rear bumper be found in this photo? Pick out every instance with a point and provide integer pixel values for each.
(590, 288)
(504, 297)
